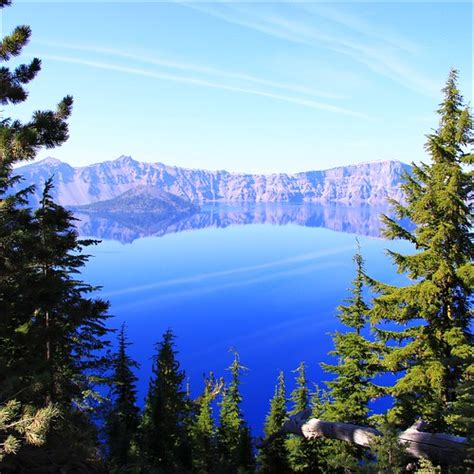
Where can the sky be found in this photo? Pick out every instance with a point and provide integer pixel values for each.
(256, 87)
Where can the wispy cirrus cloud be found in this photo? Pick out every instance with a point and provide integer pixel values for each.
(350, 36)
(197, 81)
(359, 25)
(194, 68)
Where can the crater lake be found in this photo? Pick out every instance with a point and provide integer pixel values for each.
(265, 280)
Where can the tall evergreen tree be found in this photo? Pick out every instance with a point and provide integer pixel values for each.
(203, 430)
(70, 327)
(358, 362)
(60, 333)
(50, 330)
(274, 456)
(313, 449)
(431, 345)
(305, 455)
(234, 439)
(123, 416)
(296, 445)
(19, 142)
(301, 395)
(358, 358)
(164, 439)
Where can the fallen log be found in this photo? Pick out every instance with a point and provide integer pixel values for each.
(438, 447)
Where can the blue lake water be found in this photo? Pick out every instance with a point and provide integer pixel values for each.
(265, 280)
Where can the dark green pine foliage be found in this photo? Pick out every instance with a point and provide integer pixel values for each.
(390, 456)
(358, 362)
(303, 454)
(274, 456)
(50, 330)
(431, 344)
(123, 416)
(19, 142)
(66, 327)
(61, 336)
(234, 439)
(300, 398)
(314, 456)
(164, 438)
(462, 418)
(47, 129)
(203, 429)
(358, 358)
(301, 395)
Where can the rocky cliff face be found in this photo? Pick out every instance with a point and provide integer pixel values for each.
(362, 183)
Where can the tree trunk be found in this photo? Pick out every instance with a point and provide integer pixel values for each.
(438, 447)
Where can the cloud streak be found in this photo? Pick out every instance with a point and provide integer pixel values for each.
(195, 68)
(309, 103)
(378, 53)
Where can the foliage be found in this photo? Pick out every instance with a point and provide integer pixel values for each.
(425, 466)
(391, 456)
(233, 435)
(203, 430)
(51, 331)
(303, 454)
(358, 363)
(164, 438)
(123, 416)
(19, 426)
(53, 334)
(274, 456)
(431, 347)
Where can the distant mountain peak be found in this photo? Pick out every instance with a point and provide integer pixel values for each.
(371, 183)
(49, 161)
(124, 159)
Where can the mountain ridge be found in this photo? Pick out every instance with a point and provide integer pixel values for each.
(370, 182)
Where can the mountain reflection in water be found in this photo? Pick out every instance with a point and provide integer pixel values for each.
(127, 227)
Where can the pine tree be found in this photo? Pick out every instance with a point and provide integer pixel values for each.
(305, 455)
(203, 430)
(274, 457)
(390, 455)
(301, 394)
(234, 439)
(358, 359)
(19, 142)
(298, 452)
(60, 334)
(164, 439)
(123, 417)
(69, 325)
(51, 332)
(431, 345)
(358, 362)
(315, 460)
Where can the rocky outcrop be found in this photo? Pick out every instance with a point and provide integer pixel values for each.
(142, 199)
(370, 183)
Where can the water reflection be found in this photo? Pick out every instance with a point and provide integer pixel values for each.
(127, 227)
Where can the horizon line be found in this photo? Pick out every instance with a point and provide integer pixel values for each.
(52, 158)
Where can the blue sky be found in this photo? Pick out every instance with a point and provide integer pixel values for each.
(257, 87)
